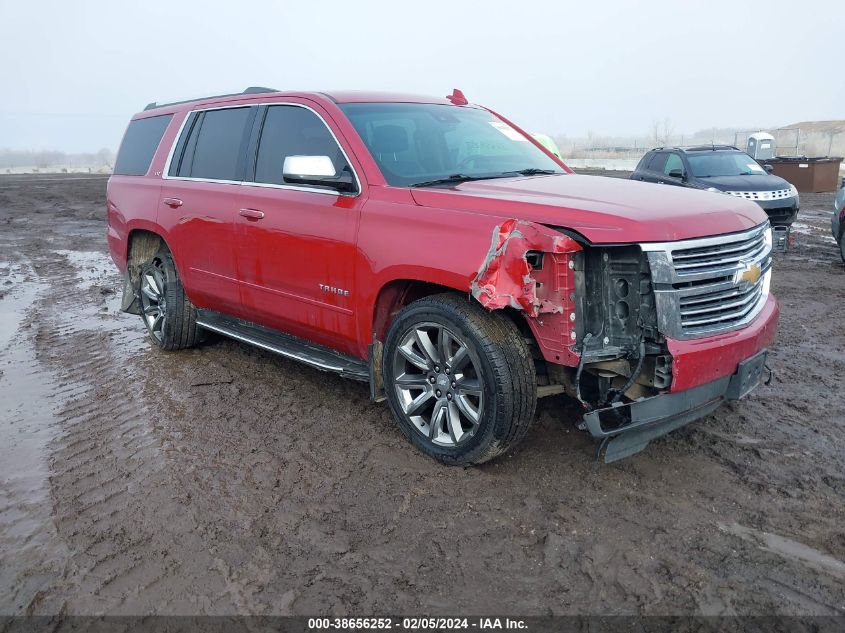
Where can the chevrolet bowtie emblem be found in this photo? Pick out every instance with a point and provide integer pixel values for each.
(751, 274)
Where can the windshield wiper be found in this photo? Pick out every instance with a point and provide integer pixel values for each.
(532, 171)
(454, 179)
(459, 178)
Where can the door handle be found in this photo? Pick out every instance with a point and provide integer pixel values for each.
(173, 203)
(251, 214)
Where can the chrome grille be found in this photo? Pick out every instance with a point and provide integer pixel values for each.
(710, 285)
(722, 307)
(779, 194)
(717, 256)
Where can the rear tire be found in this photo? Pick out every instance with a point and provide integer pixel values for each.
(460, 381)
(168, 314)
(842, 246)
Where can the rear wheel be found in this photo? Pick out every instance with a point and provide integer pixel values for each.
(842, 246)
(459, 380)
(167, 312)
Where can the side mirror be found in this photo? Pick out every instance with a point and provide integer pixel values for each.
(677, 173)
(769, 169)
(316, 170)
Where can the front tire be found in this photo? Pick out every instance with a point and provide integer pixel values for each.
(460, 381)
(168, 314)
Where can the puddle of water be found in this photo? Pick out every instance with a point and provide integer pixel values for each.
(787, 548)
(17, 297)
(94, 271)
(32, 556)
(92, 267)
(30, 552)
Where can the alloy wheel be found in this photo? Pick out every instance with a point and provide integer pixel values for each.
(154, 299)
(438, 384)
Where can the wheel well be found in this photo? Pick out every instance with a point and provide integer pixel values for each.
(142, 247)
(394, 296)
(397, 294)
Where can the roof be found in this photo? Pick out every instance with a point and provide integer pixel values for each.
(249, 91)
(341, 96)
(363, 96)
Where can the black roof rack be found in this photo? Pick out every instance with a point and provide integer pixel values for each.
(704, 148)
(697, 148)
(252, 90)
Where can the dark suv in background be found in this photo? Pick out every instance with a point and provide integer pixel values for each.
(724, 169)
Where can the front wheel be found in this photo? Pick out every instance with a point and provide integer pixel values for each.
(460, 380)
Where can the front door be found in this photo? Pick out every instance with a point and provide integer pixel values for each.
(296, 244)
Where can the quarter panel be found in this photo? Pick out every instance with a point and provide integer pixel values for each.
(130, 201)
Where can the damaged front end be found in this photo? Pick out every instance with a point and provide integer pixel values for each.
(591, 310)
(647, 337)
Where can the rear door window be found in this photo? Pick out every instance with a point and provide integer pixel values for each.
(139, 145)
(215, 146)
(658, 161)
(291, 130)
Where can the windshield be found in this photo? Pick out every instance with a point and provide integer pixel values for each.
(421, 143)
(713, 164)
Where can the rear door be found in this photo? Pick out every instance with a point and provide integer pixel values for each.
(654, 170)
(642, 167)
(199, 200)
(296, 244)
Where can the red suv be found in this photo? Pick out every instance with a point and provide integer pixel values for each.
(436, 251)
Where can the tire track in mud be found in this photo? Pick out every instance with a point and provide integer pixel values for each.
(110, 484)
(31, 553)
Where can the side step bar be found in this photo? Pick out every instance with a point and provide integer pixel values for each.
(285, 345)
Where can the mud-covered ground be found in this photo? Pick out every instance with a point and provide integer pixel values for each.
(228, 480)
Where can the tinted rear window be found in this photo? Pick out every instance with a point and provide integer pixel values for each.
(139, 145)
(214, 148)
(658, 161)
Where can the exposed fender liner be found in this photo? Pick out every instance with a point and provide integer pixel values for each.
(506, 279)
(143, 245)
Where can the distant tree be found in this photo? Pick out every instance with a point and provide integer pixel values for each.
(662, 131)
(105, 157)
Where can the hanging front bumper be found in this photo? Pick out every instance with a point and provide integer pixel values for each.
(627, 428)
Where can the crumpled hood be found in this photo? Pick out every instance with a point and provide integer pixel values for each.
(604, 210)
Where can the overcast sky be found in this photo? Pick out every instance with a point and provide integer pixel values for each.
(73, 72)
